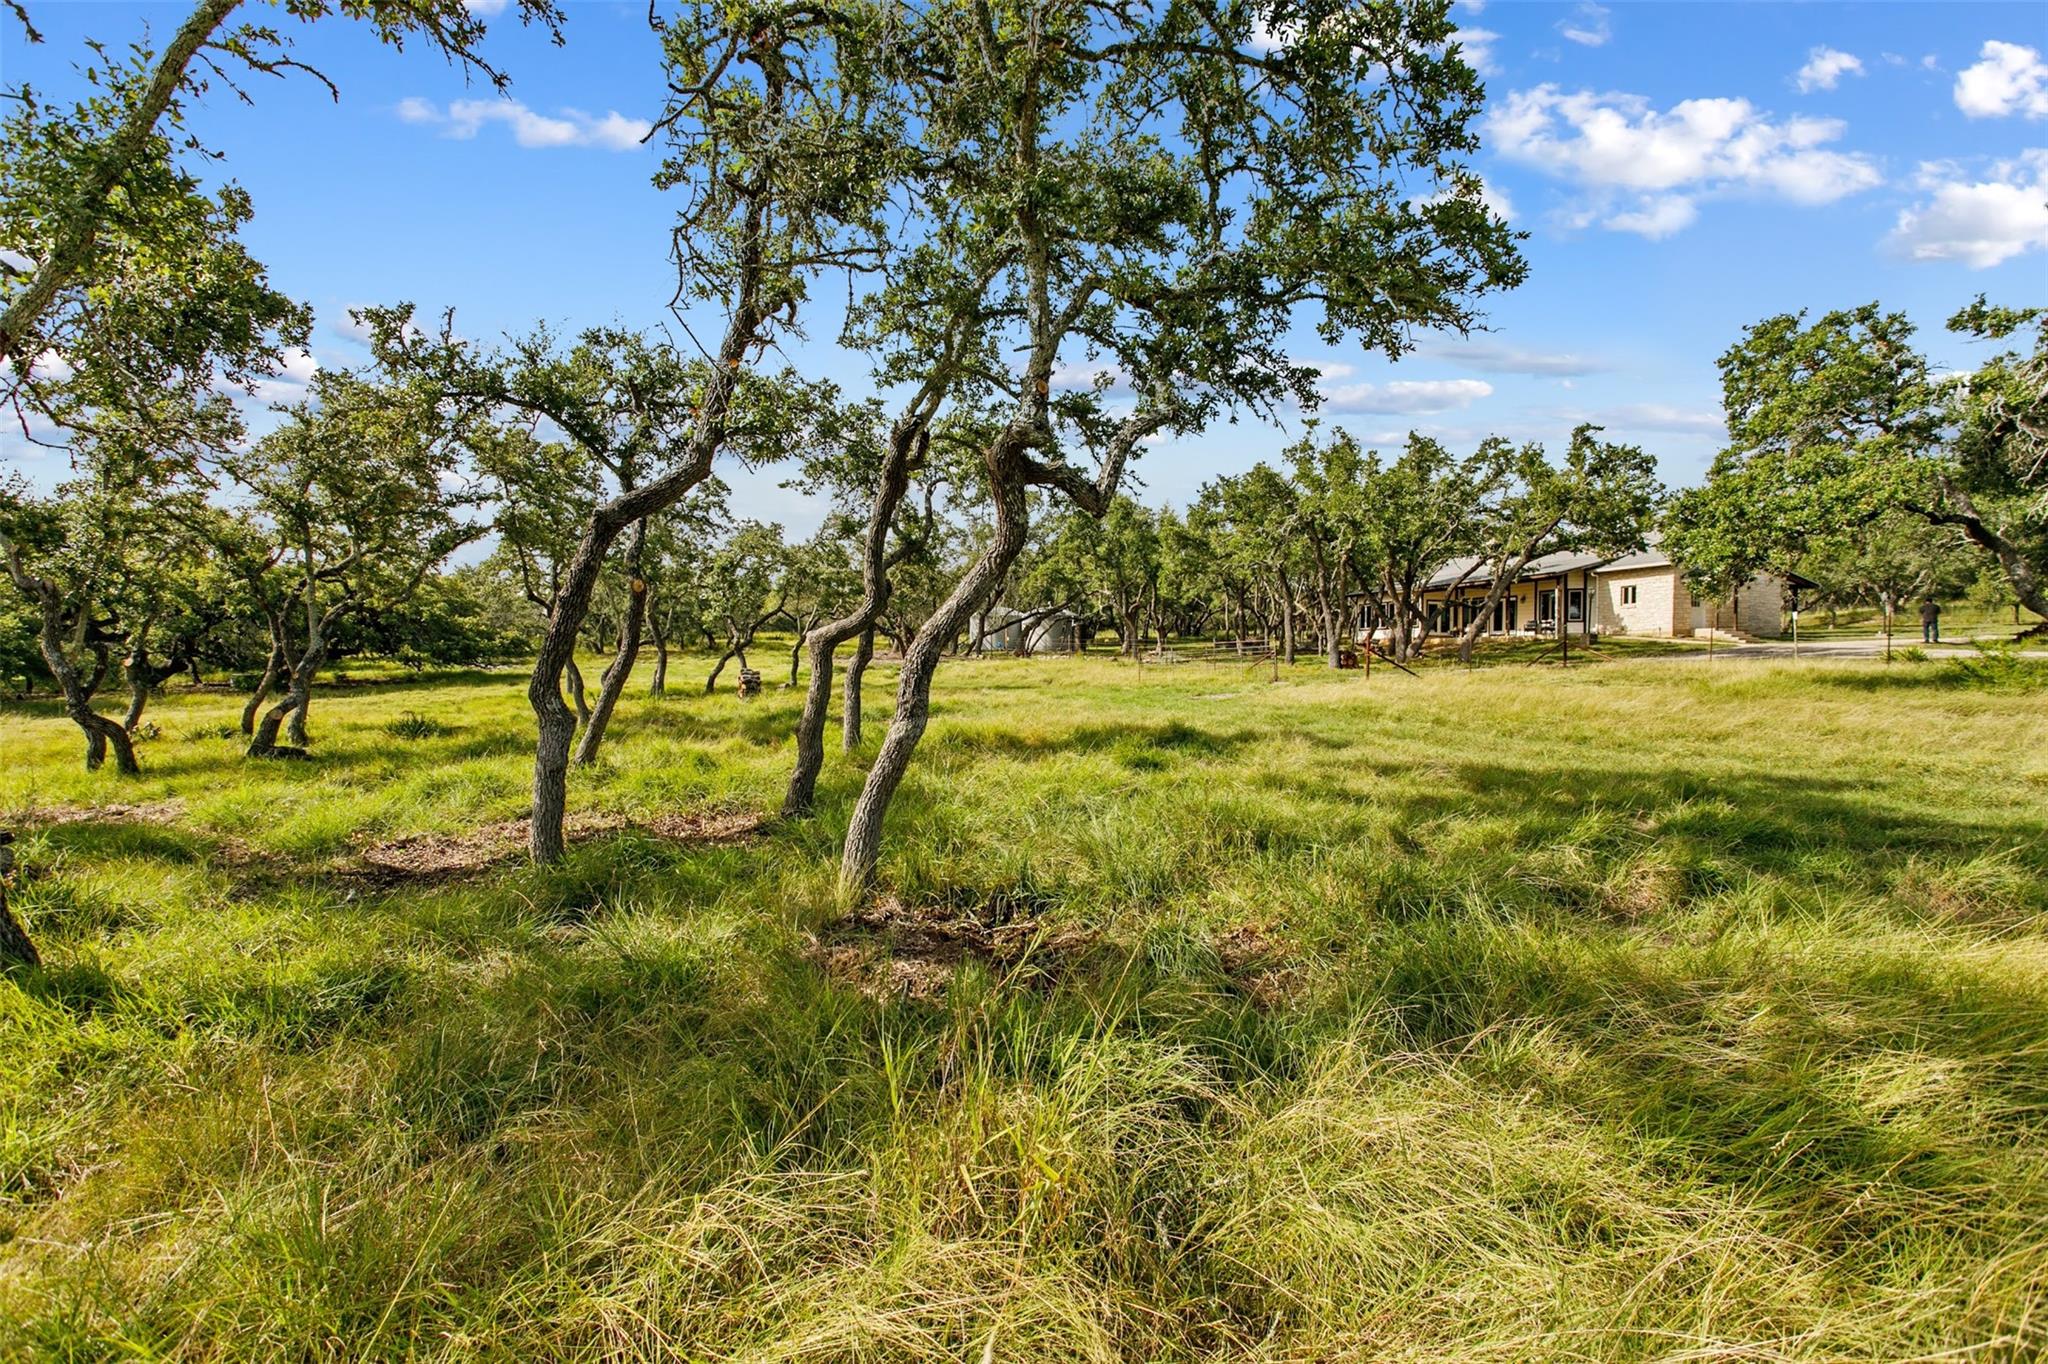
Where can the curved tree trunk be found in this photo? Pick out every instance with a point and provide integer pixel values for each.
(576, 692)
(801, 794)
(658, 684)
(1286, 619)
(856, 673)
(138, 696)
(273, 669)
(914, 689)
(711, 682)
(906, 442)
(297, 699)
(135, 668)
(621, 667)
(100, 732)
(297, 732)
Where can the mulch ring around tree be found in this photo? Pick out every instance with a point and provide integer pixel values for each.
(446, 857)
(888, 948)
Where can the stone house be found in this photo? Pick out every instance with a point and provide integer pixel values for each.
(1641, 593)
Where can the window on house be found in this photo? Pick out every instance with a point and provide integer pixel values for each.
(1628, 596)
(1575, 604)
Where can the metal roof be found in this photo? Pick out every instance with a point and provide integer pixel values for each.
(1546, 566)
(1649, 556)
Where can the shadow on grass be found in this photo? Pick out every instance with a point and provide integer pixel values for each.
(130, 839)
(1138, 744)
(1991, 673)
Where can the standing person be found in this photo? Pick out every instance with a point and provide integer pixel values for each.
(1930, 621)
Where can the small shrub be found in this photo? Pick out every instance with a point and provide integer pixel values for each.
(1999, 667)
(206, 733)
(413, 725)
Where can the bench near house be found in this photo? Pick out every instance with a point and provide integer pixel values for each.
(1643, 593)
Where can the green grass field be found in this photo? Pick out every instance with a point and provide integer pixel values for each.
(1644, 1011)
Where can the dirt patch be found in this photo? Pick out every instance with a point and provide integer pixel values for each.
(146, 812)
(1647, 889)
(442, 857)
(889, 948)
(1260, 963)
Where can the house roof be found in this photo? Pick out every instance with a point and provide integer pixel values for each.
(1651, 555)
(1547, 566)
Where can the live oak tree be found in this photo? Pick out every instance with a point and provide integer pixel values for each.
(773, 147)
(1839, 422)
(821, 579)
(745, 584)
(84, 191)
(87, 559)
(1158, 189)
(1254, 513)
(877, 472)
(132, 315)
(1602, 498)
(359, 492)
(1995, 489)
(543, 492)
(1329, 521)
(1426, 507)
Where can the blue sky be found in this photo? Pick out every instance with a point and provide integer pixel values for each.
(1682, 170)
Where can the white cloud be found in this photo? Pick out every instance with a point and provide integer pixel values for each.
(1493, 196)
(1405, 395)
(1825, 68)
(1477, 46)
(49, 366)
(1619, 145)
(1493, 358)
(464, 118)
(289, 383)
(485, 7)
(351, 328)
(1982, 222)
(1656, 218)
(2008, 79)
(1663, 417)
(1587, 25)
(1085, 376)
